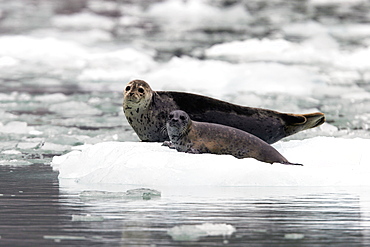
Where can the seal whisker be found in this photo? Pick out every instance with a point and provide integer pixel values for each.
(163, 130)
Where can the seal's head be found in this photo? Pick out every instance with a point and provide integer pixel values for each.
(178, 123)
(138, 93)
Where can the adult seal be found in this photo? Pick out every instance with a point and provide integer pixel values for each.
(147, 111)
(200, 137)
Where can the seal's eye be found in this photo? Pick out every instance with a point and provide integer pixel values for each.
(182, 118)
(140, 90)
(128, 88)
(171, 116)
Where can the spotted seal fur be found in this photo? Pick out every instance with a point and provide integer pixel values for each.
(147, 111)
(200, 137)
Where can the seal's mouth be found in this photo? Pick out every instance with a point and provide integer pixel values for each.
(174, 123)
(132, 98)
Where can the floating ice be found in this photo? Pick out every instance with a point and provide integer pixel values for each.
(10, 152)
(195, 232)
(54, 97)
(15, 162)
(294, 236)
(58, 238)
(197, 13)
(18, 127)
(304, 29)
(327, 162)
(47, 51)
(117, 65)
(6, 61)
(84, 20)
(74, 108)
(336, 2)
(220, 78)
(87, 217)
(140, 193)
(278, 50)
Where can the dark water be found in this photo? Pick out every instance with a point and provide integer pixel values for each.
(37, 209)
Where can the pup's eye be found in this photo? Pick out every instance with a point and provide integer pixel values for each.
(140, 90)
(182, 118)
(128, 88)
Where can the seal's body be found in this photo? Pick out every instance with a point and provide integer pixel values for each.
(200, 137)
(147, 111)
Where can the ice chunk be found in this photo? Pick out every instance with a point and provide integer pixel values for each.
(197, 13)
(305, 29)
(278, 50)
(117, 65)
(358, 60)
(48, 51)
(294, 236)
(11, 152)
(15, 162)
(55, 147)
(350, 31)
(327, 162)
(219, 78)
(195, 232)
(335, 2)
(18, 127)
(55, 97)
(84, 20)
(64, 237)
(140, 193)
(87, 217)
(143, 193)
(74, 108)
(7, 61)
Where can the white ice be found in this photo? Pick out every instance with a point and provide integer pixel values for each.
(18, 127)
(179, 14)
(220, 78)
(195, 232)
(327, 161)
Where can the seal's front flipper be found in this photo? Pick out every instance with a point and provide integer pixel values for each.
(168, 144)
(193, 151)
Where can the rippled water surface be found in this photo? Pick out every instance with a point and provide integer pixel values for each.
(63, 65)
(36, 210)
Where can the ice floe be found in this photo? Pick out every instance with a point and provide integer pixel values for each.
(18, 127)
(327, 161)
(197, 13)
(220, 78)
(195, 232)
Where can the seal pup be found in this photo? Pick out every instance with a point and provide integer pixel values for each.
(147, 111)
(200, 137)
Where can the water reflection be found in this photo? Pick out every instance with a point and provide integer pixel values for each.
(35, 211)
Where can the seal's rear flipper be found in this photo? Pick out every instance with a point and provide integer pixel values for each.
(296, 122)
(314, 120)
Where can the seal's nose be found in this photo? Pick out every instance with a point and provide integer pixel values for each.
(174, 119)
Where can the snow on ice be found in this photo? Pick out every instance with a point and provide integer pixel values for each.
(327, 161)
